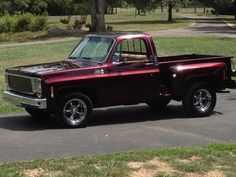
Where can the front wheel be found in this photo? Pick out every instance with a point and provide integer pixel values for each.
(74, 110)
(200, 99)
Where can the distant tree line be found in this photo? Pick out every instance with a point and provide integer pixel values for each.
(70, 7)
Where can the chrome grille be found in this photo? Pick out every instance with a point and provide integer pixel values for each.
(19, 83)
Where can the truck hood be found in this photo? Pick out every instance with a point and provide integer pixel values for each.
(42, 69)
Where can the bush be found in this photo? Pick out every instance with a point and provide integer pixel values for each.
(39, 23)
(24, 22)
(8, 24)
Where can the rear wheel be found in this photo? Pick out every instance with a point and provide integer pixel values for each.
(74, 110)
(200, 99)
(38, 114)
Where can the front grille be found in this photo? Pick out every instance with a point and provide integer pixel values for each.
(19, 83)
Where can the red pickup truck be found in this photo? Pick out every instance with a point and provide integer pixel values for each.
(117, 69)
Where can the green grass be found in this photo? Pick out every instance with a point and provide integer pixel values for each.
(217, 158)
(22, 55)
(21, 36)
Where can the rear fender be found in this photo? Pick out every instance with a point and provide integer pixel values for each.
(184, 75)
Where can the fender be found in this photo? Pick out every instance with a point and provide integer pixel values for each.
(183, 75)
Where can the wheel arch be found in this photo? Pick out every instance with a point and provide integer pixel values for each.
(213, 81)
(89, 92)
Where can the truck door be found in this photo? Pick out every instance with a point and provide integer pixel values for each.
(134, 77)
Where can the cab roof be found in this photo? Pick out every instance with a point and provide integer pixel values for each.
(118, 34)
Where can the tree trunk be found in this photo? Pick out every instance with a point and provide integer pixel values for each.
(94, 15)
(101, 27)
(217, 11)
(204, 8)
(195, 8)
(170, 7)
(139, 13)
(235, 9)
(162, 8)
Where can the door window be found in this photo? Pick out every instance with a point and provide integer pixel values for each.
(131, 50)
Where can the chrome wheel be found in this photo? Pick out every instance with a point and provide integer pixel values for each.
(75, 111)
(202, 100)
(199, 99)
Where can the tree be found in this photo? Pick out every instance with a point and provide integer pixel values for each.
(170, 4)
(22, 6)
(60, 7)
(219, 5)
(110, 5)
(140, 5)
(97, 11)
(170, 8)
(37, 6)
(235, 9)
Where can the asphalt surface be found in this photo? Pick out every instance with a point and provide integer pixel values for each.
(117, 129)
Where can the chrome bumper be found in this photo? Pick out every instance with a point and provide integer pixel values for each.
(24, 101)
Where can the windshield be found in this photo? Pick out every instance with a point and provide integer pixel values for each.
(94, 49)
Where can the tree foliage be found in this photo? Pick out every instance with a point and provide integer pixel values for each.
(22, 6)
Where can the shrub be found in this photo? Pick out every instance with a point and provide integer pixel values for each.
(24, 22)
(39, 23)
(8, 24)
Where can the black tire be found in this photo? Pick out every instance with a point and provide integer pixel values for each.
(159, 105)
(74, 110)
(38, 114)
(199, 100)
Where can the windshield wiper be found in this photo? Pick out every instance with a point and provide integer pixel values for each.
(85, 58)
(72, 57)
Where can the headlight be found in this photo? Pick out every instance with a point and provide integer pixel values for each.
(38, 87)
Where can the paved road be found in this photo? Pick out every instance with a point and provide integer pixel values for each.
(201, 27)
(117, 129)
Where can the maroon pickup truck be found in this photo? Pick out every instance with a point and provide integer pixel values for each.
(117, 69)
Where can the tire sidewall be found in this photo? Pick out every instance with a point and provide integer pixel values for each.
(60, 114)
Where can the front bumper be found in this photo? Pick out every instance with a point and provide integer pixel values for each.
(24, 101)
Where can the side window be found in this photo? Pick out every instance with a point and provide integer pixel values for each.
(131, 50)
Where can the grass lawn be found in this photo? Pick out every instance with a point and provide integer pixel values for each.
(21, 36)
(212, 160)
(22, 55)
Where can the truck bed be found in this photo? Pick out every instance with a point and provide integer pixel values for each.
(191, 58)
(168, 61)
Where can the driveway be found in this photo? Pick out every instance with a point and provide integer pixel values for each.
(116, 129)
(201, 27)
